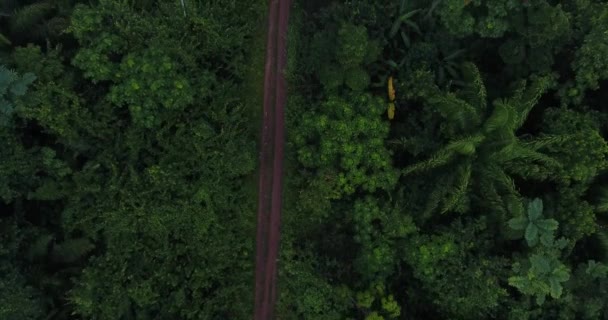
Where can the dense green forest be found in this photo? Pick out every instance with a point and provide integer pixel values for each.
(446, 159)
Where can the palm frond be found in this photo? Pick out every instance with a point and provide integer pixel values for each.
(464, 146)
(467, 145)
(457, 111)
(440, 191)
(520, 151)
(527, 154)
(545, 141)
(491, 197)
(527, 97)
(475, 90)
(503, 181)
(463, 178)
(433, 201)
(440, 158)
(503, 116)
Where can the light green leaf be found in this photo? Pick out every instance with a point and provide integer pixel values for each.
(531, 235)
(519, 282)
(547, 239)
(561, 243)
(540, 298)
(391, 63)
(561, 274)
(596, 270)
(556, 288)
(535, 209)
(540, 264)
(547, 224)
(518, 223)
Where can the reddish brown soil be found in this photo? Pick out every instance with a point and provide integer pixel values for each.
(271, 161)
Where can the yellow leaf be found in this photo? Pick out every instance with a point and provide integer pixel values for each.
(391, 89)
(391, 110)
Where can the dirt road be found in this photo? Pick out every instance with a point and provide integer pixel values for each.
(271, 161)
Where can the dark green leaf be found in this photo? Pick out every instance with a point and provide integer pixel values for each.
(519, 282)
(413, 26)
(4, 40)
(406, 39)
(455, 54)
(397, 24)
(40, 247)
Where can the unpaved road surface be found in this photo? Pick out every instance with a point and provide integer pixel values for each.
(271, 161)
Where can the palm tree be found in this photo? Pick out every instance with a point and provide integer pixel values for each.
(485, 151)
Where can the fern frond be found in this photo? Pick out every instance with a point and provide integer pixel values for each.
(25, 18)
(475, 90)
(463, 178)
(545, 141)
